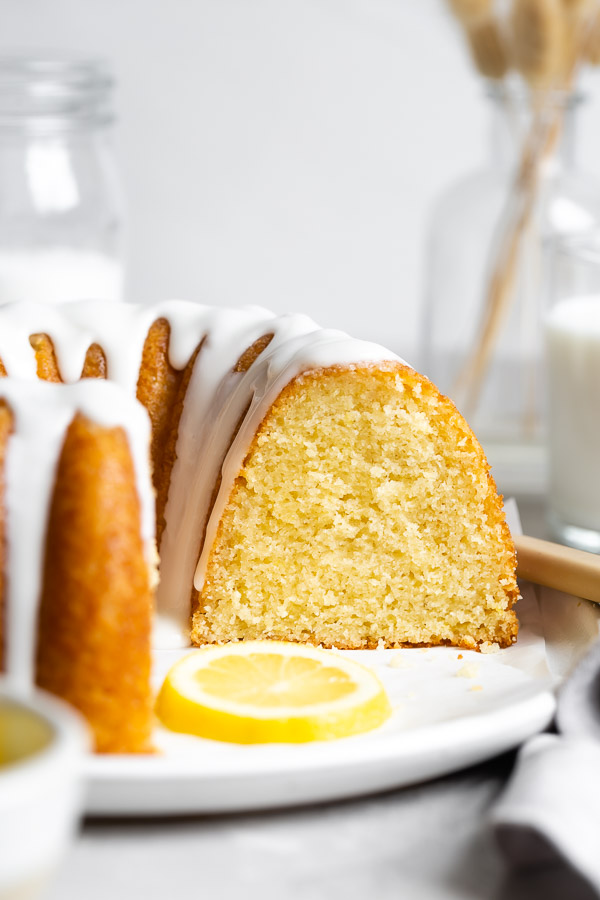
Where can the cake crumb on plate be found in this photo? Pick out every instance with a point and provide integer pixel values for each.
(489, 647)
(469, 670)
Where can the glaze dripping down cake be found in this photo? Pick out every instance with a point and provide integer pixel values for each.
(309, 487)
(77, 552)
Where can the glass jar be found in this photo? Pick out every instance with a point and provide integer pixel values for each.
(572, 333)
(60, 200)
(507, 410)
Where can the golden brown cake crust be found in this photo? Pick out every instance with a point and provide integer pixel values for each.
(96, 605)
(94, 364)
(158, 389)
(45, 357)
(5, 430)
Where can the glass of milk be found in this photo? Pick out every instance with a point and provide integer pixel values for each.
(60, 198)
(572, 333)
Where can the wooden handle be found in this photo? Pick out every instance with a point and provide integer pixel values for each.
(572, 571)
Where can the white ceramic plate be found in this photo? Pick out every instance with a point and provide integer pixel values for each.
(451, 710)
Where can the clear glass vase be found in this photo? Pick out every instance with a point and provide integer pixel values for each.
(506, 406)
(61, 210)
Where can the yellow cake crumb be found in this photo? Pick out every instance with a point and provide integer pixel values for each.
(469, 670)
(364, 516)
(398, 661)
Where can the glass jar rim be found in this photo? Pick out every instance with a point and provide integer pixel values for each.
(50, 90)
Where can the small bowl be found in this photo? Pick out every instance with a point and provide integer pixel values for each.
(42, 742)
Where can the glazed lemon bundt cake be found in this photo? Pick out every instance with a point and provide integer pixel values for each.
(77, 521)
(309, 487)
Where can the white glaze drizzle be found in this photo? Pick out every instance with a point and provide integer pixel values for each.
(216, 399)
(41, 414)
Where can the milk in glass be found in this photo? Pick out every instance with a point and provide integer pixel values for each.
(59, 275)
(573, 356)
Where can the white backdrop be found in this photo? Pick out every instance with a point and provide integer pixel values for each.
(283, 152)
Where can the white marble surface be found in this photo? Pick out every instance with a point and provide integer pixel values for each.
(427, 842)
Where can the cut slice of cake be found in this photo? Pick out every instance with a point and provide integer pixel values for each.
(364, 514)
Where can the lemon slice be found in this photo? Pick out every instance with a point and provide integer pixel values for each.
(271, 691)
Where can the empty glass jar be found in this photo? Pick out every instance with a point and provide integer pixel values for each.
(60, 200)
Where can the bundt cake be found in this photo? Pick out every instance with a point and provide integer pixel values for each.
(309, 487)
(77, 552)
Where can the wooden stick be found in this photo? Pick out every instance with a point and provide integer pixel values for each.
(572, 571)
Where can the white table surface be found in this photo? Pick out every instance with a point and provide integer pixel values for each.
(425, 842)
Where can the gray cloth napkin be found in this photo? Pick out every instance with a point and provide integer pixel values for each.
(549, 814)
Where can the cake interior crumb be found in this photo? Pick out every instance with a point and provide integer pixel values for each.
(363, 517)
